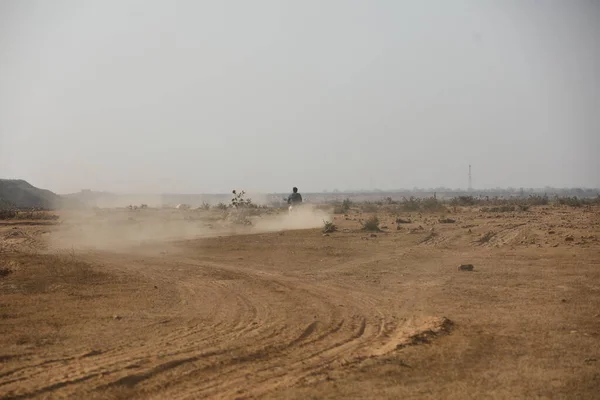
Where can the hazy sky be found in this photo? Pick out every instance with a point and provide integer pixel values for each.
(207, 96)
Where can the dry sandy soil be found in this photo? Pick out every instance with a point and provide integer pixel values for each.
(158, 304)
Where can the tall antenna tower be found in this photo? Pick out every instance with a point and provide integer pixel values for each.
(470, 180)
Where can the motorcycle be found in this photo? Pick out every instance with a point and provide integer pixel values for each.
(293, 208)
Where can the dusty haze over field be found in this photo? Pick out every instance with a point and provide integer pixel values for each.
(156, 96)
(123, 231)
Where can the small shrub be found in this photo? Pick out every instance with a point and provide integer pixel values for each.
(498, 209)
(240, 201)
(569, 201)
(536, 200)
(411, 204)
(346, 204)
(432, 204)
(371, 224)
(389, 201)
(343, 207)
(369, 207)
(463, 201)
(204, 206)
(241, 208)
(329, 227)
(36, 215)
(524, 207)
(7, 214)
(221, 206)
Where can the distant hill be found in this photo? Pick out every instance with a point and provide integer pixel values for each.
(17, 193)
(92, 198)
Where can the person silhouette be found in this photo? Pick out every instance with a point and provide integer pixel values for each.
(295, 198)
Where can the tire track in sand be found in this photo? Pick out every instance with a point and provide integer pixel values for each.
(275, 329)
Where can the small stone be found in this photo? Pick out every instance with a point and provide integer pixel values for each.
(590, 360)
(569, 239)
(551, 232)
(373, 235)
(326, 234)
(564, 300)
(117, 317)
(447, 221)
(466, 267)
(155, 287)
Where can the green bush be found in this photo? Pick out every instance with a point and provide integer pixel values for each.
(239, 200)
(329, 227)
(371, 224)
(346, 204)
(537, 200)
(343, 207)
(569, 201)
(429, 204)
(463, 201)
(432, 204)
(410, 204)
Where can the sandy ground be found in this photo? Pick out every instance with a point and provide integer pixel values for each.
(170, 305)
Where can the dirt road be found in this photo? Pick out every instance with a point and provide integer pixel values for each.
(295, 314)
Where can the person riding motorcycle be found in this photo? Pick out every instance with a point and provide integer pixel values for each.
(294, 199)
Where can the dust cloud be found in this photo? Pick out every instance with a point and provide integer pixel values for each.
(124, 230)
(303, 217)
(118, 230)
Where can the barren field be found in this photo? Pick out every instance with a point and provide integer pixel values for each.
(170, 304)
